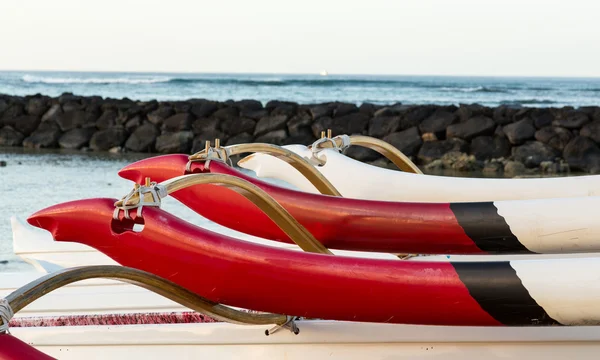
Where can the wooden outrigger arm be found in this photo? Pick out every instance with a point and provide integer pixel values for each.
(32, 291)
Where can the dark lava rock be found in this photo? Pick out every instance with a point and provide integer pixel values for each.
(276, 137)
(45, 136)
(583, 154)
(248, 104)
(10, 137)
(234, 126)
(199, 142)
(202, 125)
(437, 123)
(242, 138)
(414, 115)
(37, 106)
(27, 124)
(542, 117)
(178, 122)
(571, 120)
(349, 124)
(143, 138)
(254, 114)
(302, 136)
(74, 119)
(204, 109)
(476, 126)
(227, 113)
(556, 137)
(181, 107)
(383, 125)
(3, 107)
(158, 116)
(592, 130)
(367, 108)
(300, 124)
(322, 110)
(432, 150)
(52, 113)
(104, 140)
(532, 153)
(282, 107)
(344, 109)
(107, 119)
(179, 142)
(520, 131)
(76, 138)
(133, 123)
(72, 106)
(502, 115)
(270, 123)
(14, 110)
(488, 147)
(466, 112)
(407, 141)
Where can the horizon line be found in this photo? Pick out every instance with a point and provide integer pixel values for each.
(301, 73)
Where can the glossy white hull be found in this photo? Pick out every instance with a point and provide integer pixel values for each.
(317, 340)
(355, 179)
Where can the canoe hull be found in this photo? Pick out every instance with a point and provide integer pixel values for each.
(358, 180)
(226, 270)
(499, 227)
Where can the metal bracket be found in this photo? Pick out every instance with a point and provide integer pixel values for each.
(138, 198)
(290, 325)
(210, 153)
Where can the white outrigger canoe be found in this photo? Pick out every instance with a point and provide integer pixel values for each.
(355, 179)
(317, 339)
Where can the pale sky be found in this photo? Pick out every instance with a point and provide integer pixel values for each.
(427, 37)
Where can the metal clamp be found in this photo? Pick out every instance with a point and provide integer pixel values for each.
(137, 198)
(208, 154)
(290, 324)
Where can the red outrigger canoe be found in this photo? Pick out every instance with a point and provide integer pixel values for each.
(353, 224)
(264, 278)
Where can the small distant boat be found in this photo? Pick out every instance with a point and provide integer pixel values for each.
(324, 73)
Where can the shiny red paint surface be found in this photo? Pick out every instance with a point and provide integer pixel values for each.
(264, 278)
(12, 348)
(339, 223)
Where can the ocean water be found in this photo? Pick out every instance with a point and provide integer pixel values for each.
(489, 91)
(36, 179)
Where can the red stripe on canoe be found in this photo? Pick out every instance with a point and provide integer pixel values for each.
(263, 278)
(339, 223)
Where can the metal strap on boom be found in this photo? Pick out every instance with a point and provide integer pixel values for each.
(149, 194)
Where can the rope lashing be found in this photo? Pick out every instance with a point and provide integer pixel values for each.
(157, 191)
(6, 314)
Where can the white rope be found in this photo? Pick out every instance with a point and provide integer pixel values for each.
(6, 314)
(211, 154)
(345, 142)
(158, 192)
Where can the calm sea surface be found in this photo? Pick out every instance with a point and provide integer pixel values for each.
(534, 92)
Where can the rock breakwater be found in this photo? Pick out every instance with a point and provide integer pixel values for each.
(471, 137)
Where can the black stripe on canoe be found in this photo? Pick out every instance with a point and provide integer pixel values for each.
(499, 291)
(488, 229)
